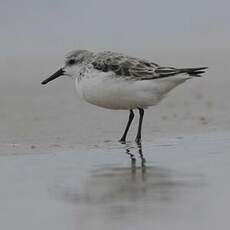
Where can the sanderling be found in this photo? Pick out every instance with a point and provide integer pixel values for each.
(116, 81)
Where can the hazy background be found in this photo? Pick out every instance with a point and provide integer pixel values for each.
(35, 36)
(60, 162)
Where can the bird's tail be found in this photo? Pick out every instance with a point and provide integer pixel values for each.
(194, 72)
(170, 71)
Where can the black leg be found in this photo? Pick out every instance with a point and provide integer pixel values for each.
(131, 116)
(138, 138)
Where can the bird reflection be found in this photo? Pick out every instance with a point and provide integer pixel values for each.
(128, 151)
(120, 191)
(109, 184)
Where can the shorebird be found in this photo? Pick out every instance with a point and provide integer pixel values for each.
(116, 81)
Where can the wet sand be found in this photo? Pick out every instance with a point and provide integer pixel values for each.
(181, 184)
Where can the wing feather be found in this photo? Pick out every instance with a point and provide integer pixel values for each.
(137, 68)
(124, 66)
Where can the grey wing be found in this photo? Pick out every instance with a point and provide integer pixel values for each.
(125, 66)
(138, 69)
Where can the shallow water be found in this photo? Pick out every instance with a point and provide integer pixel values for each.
(177, 183)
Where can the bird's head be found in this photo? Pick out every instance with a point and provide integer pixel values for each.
(73, 63)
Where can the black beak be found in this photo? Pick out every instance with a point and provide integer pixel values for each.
(57, 74)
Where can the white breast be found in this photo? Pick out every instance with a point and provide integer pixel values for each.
(107, 91)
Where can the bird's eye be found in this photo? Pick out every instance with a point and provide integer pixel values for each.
(71, 62)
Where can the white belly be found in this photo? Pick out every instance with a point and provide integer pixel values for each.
(117, 93)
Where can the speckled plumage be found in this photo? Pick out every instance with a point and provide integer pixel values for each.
(126, 66)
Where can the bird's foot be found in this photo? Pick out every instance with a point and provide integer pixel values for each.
(122, 140)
